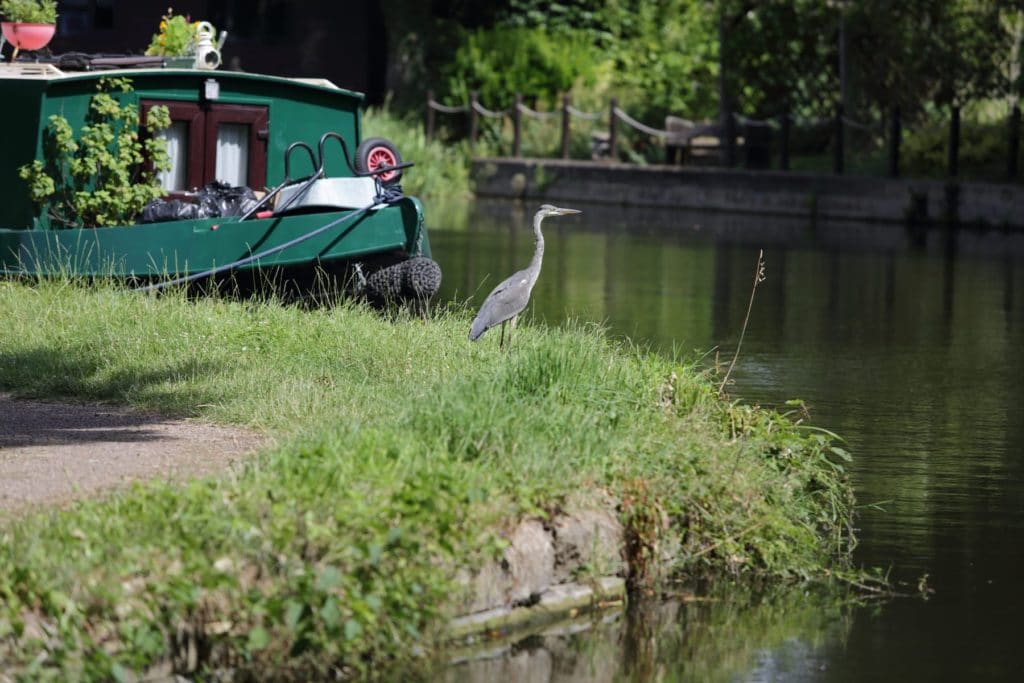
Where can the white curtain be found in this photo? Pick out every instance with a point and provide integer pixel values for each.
(177, 149)
(233, 153)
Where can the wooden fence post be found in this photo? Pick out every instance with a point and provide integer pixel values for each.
(1014, 151)
(612, 129)
(729, 131)
(472, 119)
(838, 162)
(895, 135)
(784, 138)
(428, 119)
(517, 126)
(566, 101)
(954, 141)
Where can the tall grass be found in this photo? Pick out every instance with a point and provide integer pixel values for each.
(403, 448)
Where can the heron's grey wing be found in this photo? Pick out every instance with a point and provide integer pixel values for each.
(508, 299)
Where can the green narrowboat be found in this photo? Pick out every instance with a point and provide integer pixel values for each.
(327, 196)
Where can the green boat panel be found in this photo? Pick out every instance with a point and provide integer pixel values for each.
(186, 247)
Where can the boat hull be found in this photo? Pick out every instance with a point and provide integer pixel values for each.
(179, 248)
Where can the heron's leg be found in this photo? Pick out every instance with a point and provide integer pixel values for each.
(501, 344)
(511, 328)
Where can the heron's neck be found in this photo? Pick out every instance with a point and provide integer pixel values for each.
(538, 253)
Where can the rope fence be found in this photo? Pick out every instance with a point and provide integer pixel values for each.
(538, 115)
(717, 141)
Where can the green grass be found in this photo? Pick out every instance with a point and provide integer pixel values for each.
(403, 449)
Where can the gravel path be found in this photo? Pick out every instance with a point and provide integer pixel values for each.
(54, 452)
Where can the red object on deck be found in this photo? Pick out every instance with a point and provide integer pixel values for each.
(27, 36)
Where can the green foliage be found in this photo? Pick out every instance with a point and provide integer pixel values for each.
(401, 449)
(98, 178)
(656, 57)
(927, 52)
(664, 56)
(982, 150)
(502, 61)
(29, 11)
(176, 37)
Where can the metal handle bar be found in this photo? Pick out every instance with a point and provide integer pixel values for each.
(384, 169)
(317, 173)
(288, 159)
(329, 135)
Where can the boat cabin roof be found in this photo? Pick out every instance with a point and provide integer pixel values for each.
(51, 72)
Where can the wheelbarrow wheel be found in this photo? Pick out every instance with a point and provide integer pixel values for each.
(374, 153)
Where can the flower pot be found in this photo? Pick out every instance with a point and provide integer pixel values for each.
(28, 36)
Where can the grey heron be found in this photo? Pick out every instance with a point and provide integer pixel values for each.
(509, 298)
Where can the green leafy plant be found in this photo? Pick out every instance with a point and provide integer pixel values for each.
(175, 38)
(100, 178)
(29, 11)
(501, 61)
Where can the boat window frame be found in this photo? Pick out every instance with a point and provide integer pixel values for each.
(257, 118)
(203, 120)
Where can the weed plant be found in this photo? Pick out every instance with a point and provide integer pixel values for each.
(403, 450)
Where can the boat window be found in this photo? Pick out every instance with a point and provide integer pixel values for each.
(176, 136)
(233, 153)
(226, 142)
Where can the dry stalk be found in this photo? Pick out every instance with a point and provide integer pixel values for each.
(759, 276)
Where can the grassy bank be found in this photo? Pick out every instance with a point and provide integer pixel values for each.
(404, 448)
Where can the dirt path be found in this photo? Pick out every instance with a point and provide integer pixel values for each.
(55, 452)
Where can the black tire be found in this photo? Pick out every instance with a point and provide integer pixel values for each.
(384, 285)
(372, 153)
(421, 278)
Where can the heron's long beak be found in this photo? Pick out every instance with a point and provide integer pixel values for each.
(566, 212)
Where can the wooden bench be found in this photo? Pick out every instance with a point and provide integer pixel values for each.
(693, 142)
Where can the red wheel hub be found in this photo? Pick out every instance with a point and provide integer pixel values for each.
(381, 156)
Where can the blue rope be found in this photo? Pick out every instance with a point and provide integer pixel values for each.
(388, 195)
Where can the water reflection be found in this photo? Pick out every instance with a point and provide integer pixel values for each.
(905, 341)
(716, 638)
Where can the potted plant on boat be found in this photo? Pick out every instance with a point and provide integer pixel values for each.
(175, 40)
(28, 24)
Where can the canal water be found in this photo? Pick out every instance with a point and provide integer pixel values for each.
(907, 342)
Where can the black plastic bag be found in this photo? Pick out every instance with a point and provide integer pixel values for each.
(160, 210)
(221, 199)
(213, 201)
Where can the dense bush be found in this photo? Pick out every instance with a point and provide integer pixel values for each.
(501, 61)
(983, 148)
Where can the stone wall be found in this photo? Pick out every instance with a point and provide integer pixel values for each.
(762, 192)
(565, 565)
